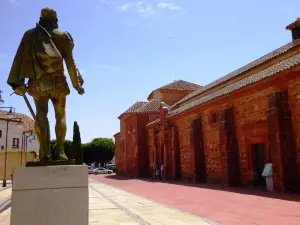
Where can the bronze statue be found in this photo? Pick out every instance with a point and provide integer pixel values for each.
(40, 59)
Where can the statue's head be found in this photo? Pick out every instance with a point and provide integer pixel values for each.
(48, 18)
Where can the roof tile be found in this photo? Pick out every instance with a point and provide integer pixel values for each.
(178, 85)
(28, 123)
(261, 75)
(238, 72)
(151, 107)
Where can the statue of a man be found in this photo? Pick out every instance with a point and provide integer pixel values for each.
(39, 59)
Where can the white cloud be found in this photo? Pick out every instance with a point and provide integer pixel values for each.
(147, 9)
(13, 2)
(170, 6)
(108, 67)
(101, 3)
(143, 9)
(126, 7)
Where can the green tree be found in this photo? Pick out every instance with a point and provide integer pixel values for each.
(100, 150)
(76, 145)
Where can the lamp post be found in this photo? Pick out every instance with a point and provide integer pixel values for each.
(26, 141)
(19, 121)
(1, 100)
(8, 119)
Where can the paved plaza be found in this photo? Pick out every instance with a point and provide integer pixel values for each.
(112, 206)
(120, 200)
(230, 206)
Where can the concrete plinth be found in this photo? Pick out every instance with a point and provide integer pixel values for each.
(53, 195)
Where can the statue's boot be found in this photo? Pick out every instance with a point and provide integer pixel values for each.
(44, 152)
(45, 157)
(60, 155)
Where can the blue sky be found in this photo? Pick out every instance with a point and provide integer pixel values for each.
(126, 49)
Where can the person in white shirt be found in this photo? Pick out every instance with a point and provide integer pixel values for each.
(162, 171)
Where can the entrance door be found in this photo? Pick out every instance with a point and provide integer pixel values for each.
(258, 163)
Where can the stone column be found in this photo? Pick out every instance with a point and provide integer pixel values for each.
(230, 174)
(274, 142)
(223, 148)
(281, 143)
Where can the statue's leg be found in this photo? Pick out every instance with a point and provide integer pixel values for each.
(42, 127)
(60, 127)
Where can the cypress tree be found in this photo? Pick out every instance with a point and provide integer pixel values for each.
(76, 145)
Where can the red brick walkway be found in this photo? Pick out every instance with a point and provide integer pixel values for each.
(242, 206)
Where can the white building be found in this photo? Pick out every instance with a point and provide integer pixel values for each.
(19, 137)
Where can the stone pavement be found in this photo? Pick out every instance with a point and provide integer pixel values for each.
(227, 206)
(5, 194)
(112, 206)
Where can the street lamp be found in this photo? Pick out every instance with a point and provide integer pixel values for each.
(10, 113)
(8, 119)
(26, 141)
(19, 121)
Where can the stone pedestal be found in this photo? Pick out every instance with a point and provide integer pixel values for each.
(52, 195)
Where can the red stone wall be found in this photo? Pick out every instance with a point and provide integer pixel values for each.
(153, 116)
(120, 156)
(132, 158)
(251, 112)
(294, 101)
(151, 150)
(131, 146)
(144, 161)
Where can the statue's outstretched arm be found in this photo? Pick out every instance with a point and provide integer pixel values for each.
(70, 62)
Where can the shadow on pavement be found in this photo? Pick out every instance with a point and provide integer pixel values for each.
(240, 190)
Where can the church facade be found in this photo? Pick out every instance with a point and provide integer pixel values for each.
(224, 132)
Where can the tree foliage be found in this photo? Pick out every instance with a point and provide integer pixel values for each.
(76, 145)
(100, 150)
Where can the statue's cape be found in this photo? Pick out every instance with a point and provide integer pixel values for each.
(23, 65)
(36, 55)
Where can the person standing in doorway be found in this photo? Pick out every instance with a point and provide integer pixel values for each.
(157, 173)
(162, 168)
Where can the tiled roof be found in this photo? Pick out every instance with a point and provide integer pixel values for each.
(294, 24)
(238, 72)
(261, 75)
(133, 108)
(116, 134)
(179, 85)
(143, 107)
(28, 123)
(151, 107)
